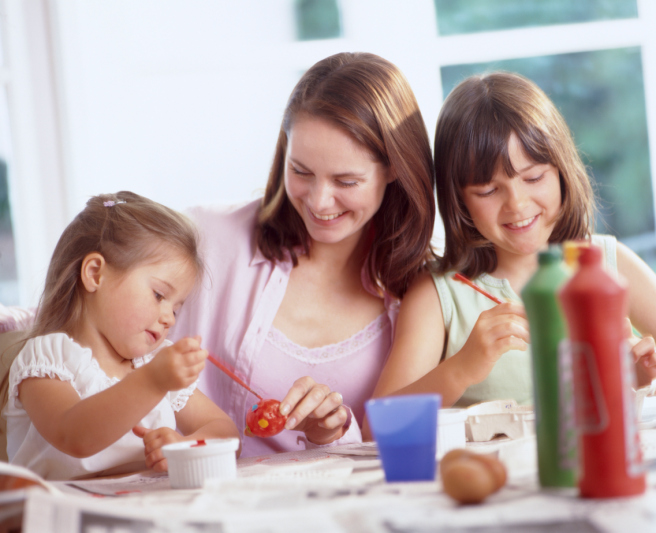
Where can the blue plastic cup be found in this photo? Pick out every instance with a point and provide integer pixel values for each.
(405, 430)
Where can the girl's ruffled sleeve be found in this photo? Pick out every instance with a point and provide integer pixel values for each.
(42, 357)
(180, 398)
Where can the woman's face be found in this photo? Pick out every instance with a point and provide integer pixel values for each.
(333, 182)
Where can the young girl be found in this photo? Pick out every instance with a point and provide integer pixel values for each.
(97, 385)
(509, 181)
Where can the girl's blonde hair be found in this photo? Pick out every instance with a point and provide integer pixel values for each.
(371, 101)
(127, 230)
(471, 143)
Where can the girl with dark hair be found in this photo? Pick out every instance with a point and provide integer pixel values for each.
(509, 182)
(98, 388)
(305, 282)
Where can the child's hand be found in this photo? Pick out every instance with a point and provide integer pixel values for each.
(178, 366)
(153, 440)
(644, 355)
(497, 330)
(315, 410)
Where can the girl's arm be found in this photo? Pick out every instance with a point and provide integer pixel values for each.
(414, 366)
(84, 427)
(200, 418)
(642, 309)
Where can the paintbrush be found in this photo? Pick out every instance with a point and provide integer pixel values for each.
(467, 281)
(221, 366)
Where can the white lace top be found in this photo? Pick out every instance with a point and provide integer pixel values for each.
(58, 356)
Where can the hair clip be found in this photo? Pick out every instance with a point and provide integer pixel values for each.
(112, 203)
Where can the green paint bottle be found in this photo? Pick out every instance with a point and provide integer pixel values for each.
(553, 398)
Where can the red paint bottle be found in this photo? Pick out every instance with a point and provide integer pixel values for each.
(595, 306)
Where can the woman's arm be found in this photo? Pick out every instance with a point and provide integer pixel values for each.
(199, 419)
(84, 427)
(642, 309)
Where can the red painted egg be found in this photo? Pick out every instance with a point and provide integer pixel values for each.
(264, 419)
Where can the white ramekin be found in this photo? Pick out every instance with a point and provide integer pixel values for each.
(191, 463)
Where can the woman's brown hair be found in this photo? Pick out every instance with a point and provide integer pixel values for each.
(471, 143)
(370, 99)
(127, 230)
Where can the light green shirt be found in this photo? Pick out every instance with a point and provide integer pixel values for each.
(511, 376)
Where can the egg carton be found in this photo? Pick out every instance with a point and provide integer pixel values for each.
(488, 420)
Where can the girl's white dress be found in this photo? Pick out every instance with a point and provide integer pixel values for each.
(58, 356)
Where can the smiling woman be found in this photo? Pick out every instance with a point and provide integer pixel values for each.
(305, 282)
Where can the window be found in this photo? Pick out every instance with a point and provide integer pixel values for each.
(590, 59)
(486, 15)
(601, 96)
(317, 19)
(8, 273)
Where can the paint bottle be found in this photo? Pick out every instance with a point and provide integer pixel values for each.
(554, 426)
(595, 305)
(571, 251)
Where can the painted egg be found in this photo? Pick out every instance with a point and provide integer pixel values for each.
(264, 419)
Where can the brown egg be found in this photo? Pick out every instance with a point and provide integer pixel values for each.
(468, 480)
(496, 466)
(454, 454)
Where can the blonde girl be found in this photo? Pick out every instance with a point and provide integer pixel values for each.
(97, 388)
(509, 182)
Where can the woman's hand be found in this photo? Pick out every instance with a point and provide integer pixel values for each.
(643, 351)
(315, 410)
(153, 440)
(178, 366)
(497, 330)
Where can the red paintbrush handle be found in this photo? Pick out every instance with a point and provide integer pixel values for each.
(466, 281)
(231, 374)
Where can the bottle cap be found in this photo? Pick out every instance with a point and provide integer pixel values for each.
(571, 251)
(590, 255)
(552, 255)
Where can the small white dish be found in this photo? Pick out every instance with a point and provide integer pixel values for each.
(450, 430)
(191, 463)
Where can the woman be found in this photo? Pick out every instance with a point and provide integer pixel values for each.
(304, 283)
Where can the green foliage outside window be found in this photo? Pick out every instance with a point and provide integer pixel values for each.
(470, 16)
(5, 215)
(317, 19)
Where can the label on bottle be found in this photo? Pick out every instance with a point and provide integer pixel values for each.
(567, 434)
(589, 402)
(631, 436)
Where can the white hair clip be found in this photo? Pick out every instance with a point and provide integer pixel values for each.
(112, 203)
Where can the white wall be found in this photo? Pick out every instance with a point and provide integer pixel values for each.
(181, 100)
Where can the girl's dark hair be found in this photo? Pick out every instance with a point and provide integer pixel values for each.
(371, 101)
(127, 230)
(471, 143)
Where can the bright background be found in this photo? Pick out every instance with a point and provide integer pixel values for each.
(181, 100)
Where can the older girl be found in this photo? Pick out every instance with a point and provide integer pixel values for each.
(509, 182)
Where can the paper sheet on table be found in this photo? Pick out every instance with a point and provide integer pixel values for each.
(308, 464)
(121, 486)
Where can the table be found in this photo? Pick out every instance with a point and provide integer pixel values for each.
(340, 489)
